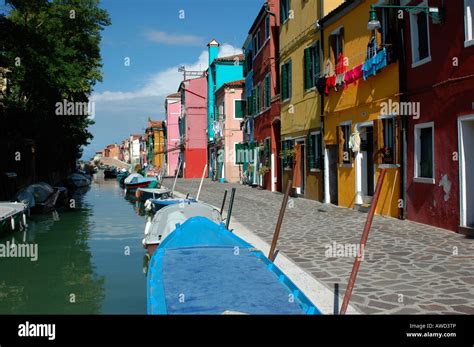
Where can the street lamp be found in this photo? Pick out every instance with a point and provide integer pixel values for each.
(374, 23)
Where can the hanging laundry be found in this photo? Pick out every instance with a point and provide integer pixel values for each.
(321, 85)
(328, 68)
(340, 67)
(353, 75)
(372, 65)
(340, 80)
(371, 48)
(330, 83)
(354, 141)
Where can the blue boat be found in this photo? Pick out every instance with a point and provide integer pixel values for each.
(202, 268)
(154, 205)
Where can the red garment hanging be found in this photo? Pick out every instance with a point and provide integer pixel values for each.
(340, 66)
(353, 75)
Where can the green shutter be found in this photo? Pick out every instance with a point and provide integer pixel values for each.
(316, 59)
(311, 152)
(289, 78)
(239, 112)
(307, 68)
(284, 82)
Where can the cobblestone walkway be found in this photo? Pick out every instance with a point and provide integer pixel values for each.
(408, 268)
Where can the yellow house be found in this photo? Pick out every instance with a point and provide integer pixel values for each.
(361, 133)
(300, 64)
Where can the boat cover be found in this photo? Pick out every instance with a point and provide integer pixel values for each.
(202, 268)
(165, 220)
(41, 191)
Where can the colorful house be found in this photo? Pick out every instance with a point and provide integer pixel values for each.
(228, 134)
(155, 144)
(301, 126)
(440, 115)
(173, 111)
(193, 127)
(220, 71)
(264, 99)
(135, 149)
(360, 81)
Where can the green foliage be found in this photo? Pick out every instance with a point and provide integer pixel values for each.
(51, 53)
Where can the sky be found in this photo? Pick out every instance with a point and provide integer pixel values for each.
(142, 50)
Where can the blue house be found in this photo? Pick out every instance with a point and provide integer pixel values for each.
(221, 70)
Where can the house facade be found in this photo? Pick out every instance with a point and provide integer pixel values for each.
(301, 126)
(440, 138)
(230, 104)
(193, 127)
(264, 105)
(361, 131)
(173, 111)
(220, 71)
(155, 145)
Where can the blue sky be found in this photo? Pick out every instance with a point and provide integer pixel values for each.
(156, 40)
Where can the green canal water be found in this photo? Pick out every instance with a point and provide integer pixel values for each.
(90, 259)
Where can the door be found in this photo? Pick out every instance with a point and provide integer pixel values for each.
(467, 172)
(302, 168)
(367, 163)
(332, 159)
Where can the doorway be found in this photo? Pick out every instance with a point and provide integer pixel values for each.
(302, 169)
(466, 170)
(332, 152)
(367, 168)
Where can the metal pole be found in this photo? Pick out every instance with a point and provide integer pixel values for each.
(336, 298)
(363, 241)
(271, 254)
(176, 177)
(202, 179)
(223, 202)
(229, 212)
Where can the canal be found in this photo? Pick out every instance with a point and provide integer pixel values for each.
(90, 259)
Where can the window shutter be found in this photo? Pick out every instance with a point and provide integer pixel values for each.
(340, 141)
(307, 70)
(320, 151)
(397, 145)
(311, 152)
(289, 78)
(284, 82)
(316, 63)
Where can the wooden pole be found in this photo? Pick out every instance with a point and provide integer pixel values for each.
(229, 212)
(223, 202)
(363, 241)
(202, 179)
(176, 177)
(271, 254)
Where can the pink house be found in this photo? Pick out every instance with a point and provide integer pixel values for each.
(193, 126)
(173, 111)
(230, 108)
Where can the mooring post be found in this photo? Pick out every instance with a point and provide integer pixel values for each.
(176, 178)
(229, 212)
(223, 202)
(363, 241)
(336, 298)
(271, 254)
(202, 179)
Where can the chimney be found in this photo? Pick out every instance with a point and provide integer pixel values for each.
(213, 50)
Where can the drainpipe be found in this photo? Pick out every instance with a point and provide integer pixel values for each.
(325, 167)
(402, 65)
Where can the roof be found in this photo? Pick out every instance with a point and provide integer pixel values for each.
(154, 123)
(232, 84)
(230, 58)
(339, 11)
(174, 95)
(257, 20)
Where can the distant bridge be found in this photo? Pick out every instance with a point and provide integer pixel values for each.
(114, 162)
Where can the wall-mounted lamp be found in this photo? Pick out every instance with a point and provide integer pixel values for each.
(374, 23)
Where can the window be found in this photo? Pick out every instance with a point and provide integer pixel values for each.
(388, 150)
(424, 153)
(286, 155)
(240, 154)
(315, 151)
(266, 152)
(469, 22)
(254, 102)
(286, 81)
(267, 27)
(344, 135)
(284, 10)
(311, 65)
(267, 92)
(420, 37)
(239, 108)
(336, 45)
(249, 105)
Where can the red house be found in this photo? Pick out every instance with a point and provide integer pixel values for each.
(193, 127)
(439, 109)
(265, 104)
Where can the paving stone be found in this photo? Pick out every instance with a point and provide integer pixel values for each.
(401, 256)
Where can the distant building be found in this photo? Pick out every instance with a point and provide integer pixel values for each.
(156, 143)
(135, 149)
(173, 112)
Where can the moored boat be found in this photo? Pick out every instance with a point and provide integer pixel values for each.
(154, 205)
(44, 196)
(143, 194)
(12, 215)
(165, 220)
(110, 173)
(136, 180)
(203, 268)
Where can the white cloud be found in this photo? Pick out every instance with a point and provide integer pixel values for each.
(174, 39)
(164, 82)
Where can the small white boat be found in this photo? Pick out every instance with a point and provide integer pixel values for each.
(12, 214)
